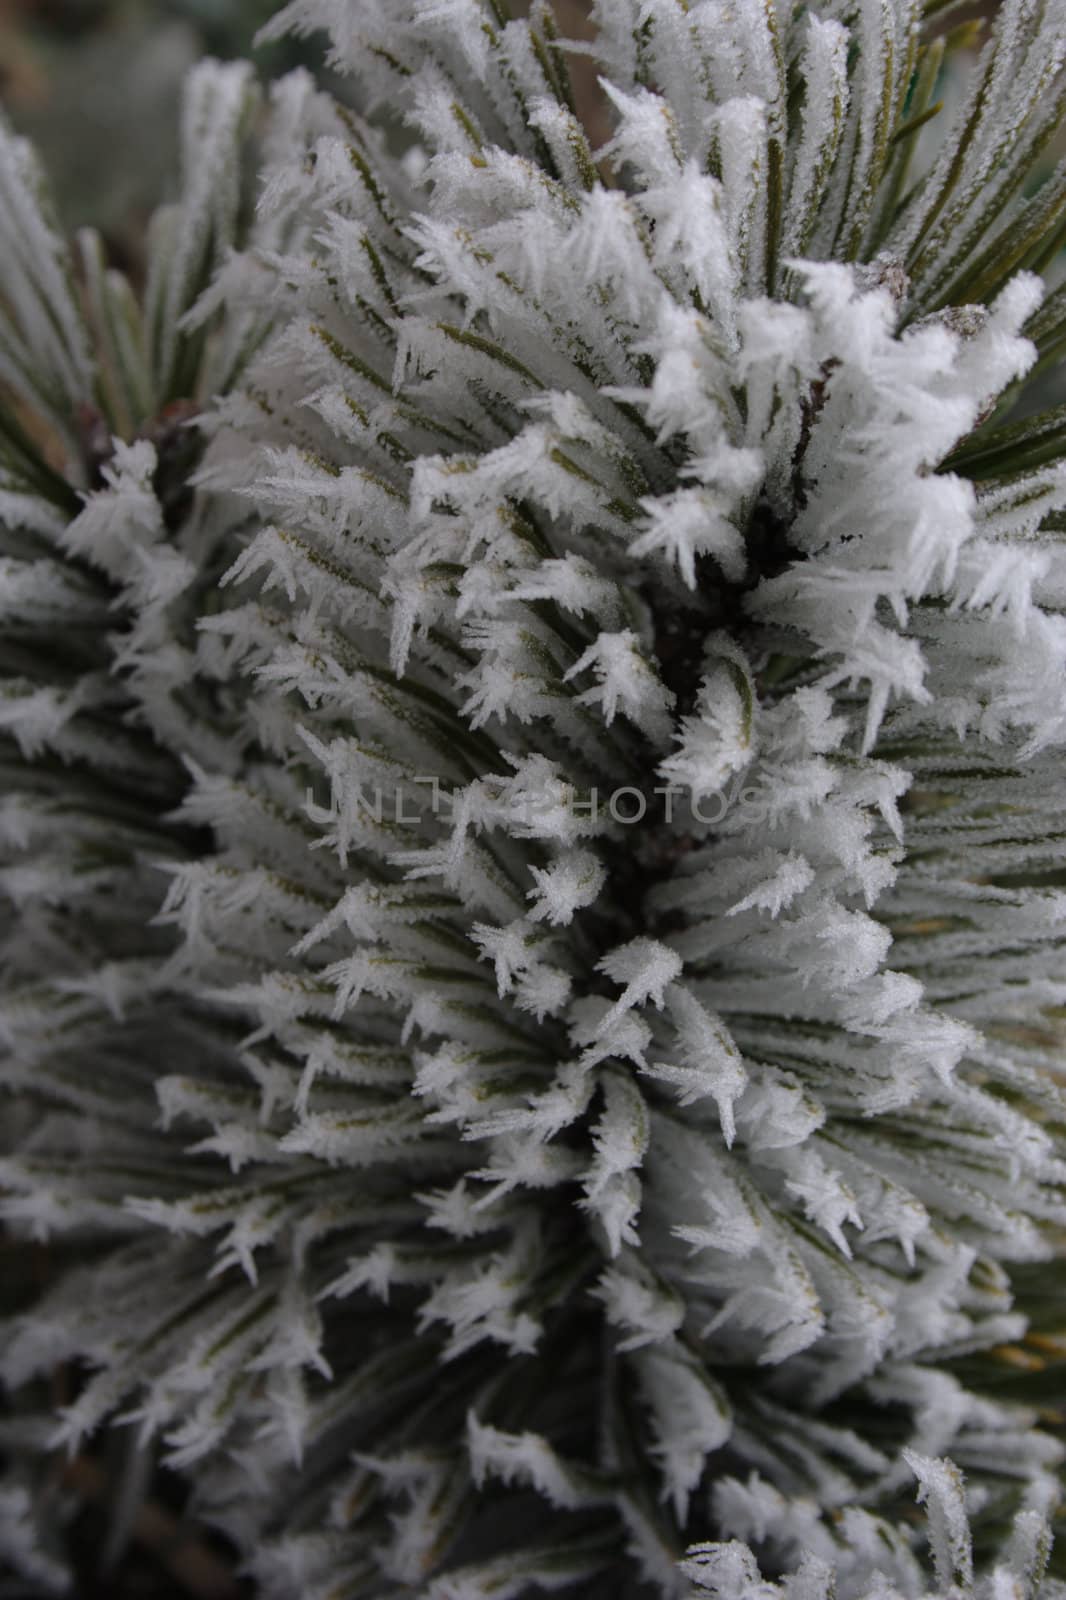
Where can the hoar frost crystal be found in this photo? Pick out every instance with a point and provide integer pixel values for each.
(526, 1198)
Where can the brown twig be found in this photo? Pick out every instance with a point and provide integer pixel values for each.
(175, 1544)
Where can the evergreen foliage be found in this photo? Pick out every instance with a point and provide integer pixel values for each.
(533, 697)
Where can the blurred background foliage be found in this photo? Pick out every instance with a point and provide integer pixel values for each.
(96, 83)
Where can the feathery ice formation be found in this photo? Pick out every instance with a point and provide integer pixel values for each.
(531, 728)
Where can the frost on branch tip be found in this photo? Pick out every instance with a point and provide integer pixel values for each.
(532, 716)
